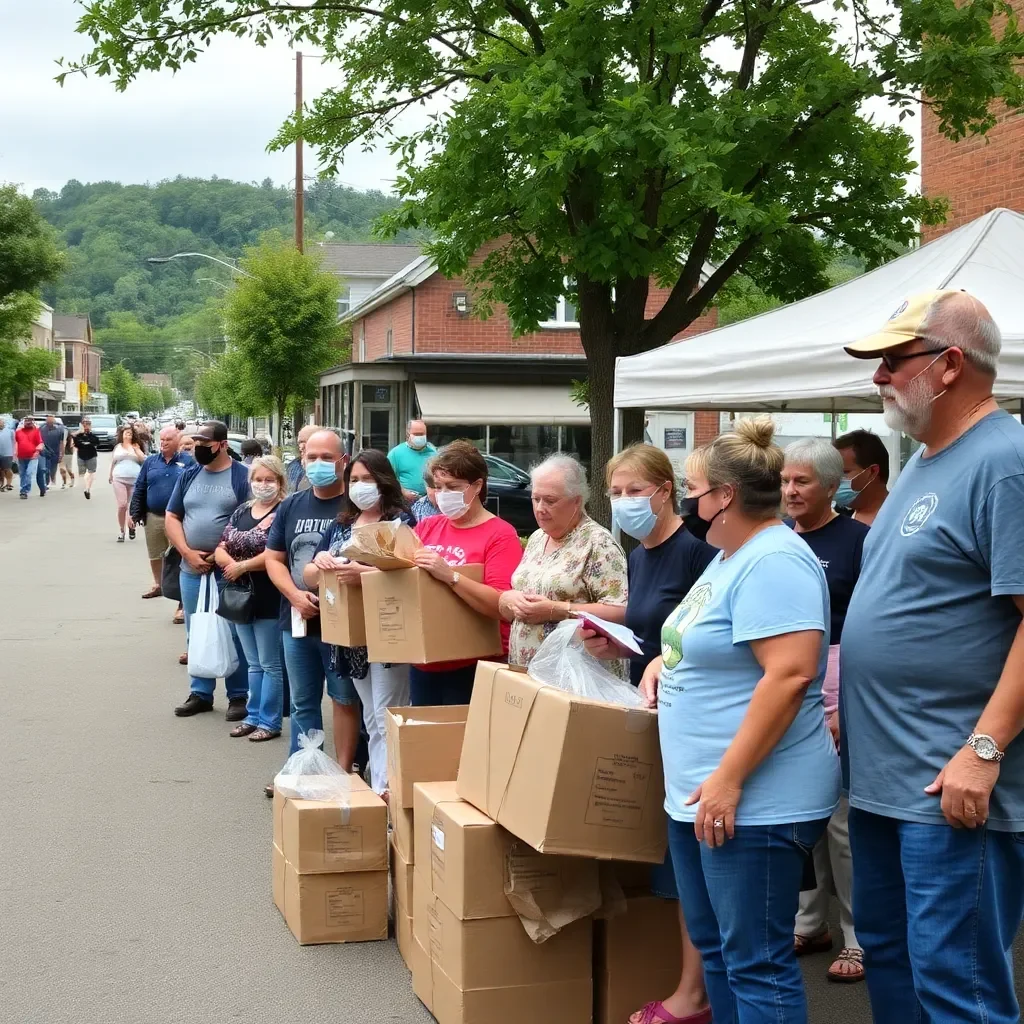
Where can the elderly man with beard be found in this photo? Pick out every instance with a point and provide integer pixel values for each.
(932, 670)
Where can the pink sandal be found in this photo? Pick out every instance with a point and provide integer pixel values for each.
(655, 1013)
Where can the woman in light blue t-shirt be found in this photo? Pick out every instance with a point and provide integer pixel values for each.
(751, 771)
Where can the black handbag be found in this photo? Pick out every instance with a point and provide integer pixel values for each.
(170, 586)
(237, 602)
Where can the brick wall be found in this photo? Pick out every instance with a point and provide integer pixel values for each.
(976, 174)
(705, 427)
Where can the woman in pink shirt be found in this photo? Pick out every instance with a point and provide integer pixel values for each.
(464, 534)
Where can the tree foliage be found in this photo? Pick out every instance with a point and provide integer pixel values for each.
(612, 143)
(125, 392)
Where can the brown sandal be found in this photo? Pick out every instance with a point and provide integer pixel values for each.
(154, 591)
(805, 945)
(261, 735)
(848, 958)
(243, 730)
(183, 658)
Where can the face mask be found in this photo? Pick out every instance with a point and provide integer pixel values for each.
(204, 454)
(634, 516)
(452, 504)
(364, 494)
(264, 492)
(321, 474)
(418, 441)
(847, 494)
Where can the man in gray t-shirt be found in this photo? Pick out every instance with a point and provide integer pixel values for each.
(209, 502)
(932, 680)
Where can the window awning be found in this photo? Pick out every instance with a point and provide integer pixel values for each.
(516, 405)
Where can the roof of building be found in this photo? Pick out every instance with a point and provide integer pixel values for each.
(74, 327)
(355, 259)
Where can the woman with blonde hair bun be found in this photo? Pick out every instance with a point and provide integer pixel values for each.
(751, 772)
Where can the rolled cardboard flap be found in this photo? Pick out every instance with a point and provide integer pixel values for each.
(548, 893)
(386, 545)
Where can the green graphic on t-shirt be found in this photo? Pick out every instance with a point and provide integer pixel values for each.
(680, 621)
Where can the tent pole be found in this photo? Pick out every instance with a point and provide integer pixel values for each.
(616, 446)
(834, 431)
(1022, 410)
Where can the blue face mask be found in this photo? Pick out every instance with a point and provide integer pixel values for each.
(634, 516)
(321, 474)
(847, 494)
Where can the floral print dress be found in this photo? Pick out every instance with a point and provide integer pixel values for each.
(588, 568)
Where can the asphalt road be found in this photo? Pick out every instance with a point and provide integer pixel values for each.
(136, 846)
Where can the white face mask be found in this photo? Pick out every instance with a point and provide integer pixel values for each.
(364, 494)
(452, 504)
(418, 440)
(264, 492)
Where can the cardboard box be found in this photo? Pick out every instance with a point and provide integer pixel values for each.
(479, 869)
(277, 867)
(341, 613)
(565, 774)
(422, 985)
(402, 832)
(404, 938)
(401, 880)
(323, 838)
(557, 1002)
(349, 907)
(424, 745)
(411, 618)
(355, 783)
(637, 958)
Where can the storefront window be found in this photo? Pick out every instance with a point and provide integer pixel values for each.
(576, 441)
(523, 446)
(441, 434)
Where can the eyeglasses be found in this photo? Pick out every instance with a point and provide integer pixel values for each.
(892, 363)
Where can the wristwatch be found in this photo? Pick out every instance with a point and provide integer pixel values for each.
(456, 576)
(985, 747)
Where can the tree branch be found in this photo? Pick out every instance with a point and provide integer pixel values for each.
(528, 22)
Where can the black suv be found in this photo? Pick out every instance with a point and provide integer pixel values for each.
(509, 494)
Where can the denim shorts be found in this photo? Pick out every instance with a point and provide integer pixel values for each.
(340, 689)
(663, 879)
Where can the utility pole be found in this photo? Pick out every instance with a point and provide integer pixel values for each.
(299, 198)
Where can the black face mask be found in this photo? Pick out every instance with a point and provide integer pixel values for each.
(204, 454)
(692, 519)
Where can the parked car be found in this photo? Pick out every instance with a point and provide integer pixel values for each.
(235, 446)
(509, 494)
(104, 426)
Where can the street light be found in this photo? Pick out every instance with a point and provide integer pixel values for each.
(198, 255)
(211, 280)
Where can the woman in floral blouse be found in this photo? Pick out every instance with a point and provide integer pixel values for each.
(571, 564)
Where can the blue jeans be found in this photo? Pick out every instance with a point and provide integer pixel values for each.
(309, 663)
(237, 684)
(937, 909)
(739, 901)
(26, 470)
(432, 689)
(261, 641)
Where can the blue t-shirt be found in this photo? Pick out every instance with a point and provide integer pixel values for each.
(301, 521)
(771, 586)
(7, 441)
(931, 623)
(409, 464)
(659, 578)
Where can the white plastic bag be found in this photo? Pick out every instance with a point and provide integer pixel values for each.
(310, 774)
(211, 647)
(563, 661)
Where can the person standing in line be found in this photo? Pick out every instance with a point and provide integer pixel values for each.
(865, 474)
(931, 702)
(54, 435)
(811, 477)
(148, 506)
(410, 459)
(425, 507)
(6, 455)
(251, 449)
(125, 465)
(242, 554)
(67, 462)
(297, 480)
(199, 508)
(29, 446)
(86, 445)
(301, 521)
(187, 445)
(372, 495)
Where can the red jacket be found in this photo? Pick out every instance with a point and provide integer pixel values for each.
(27, 442)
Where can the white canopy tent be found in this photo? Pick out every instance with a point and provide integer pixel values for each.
(792, 359)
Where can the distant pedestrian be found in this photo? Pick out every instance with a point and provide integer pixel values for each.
(187, 445)
(297, 480)
(251, 449)
(410, 458)
(28, 443)
(54, 434)
(6, 455)
(86, 444)
(125, 466)
(426, 507)
(67, 462)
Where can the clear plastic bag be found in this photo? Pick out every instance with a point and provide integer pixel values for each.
(389, 544)
(563, 661)
(310, 774)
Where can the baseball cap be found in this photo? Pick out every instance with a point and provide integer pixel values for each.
(905, 324)
(211, 430)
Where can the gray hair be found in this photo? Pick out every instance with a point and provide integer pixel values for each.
(574, 476)
(959, 319)
(818, 453)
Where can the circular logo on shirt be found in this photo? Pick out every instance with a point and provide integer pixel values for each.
(919, 513)
(681, 620)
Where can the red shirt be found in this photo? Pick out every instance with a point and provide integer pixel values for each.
(27, 442)
(493, 544)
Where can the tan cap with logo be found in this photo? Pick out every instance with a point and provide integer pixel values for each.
(905, 324)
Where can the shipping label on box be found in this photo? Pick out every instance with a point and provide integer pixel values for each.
(325, 838)
(565, 774)
(411, 618)
(424, 745)
(342, 620)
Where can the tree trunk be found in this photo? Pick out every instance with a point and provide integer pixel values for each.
(282, 401)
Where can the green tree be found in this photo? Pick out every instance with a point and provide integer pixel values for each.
(22, 370)
(283, 324)
(225, 388)
(121, 388)
(610, 144)
(166, 397)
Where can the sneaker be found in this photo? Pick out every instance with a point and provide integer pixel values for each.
(120, 538)
(131, 534)
(25, 496)
(194, 705)
(236, 710)
(87, 495)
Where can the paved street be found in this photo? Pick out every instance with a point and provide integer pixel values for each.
(136, 846)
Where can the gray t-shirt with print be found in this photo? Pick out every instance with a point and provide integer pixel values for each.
(209, 502)
(931, 622)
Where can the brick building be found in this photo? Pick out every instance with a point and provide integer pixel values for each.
(418, 349)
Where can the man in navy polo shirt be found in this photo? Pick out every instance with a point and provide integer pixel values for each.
(157, 477)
